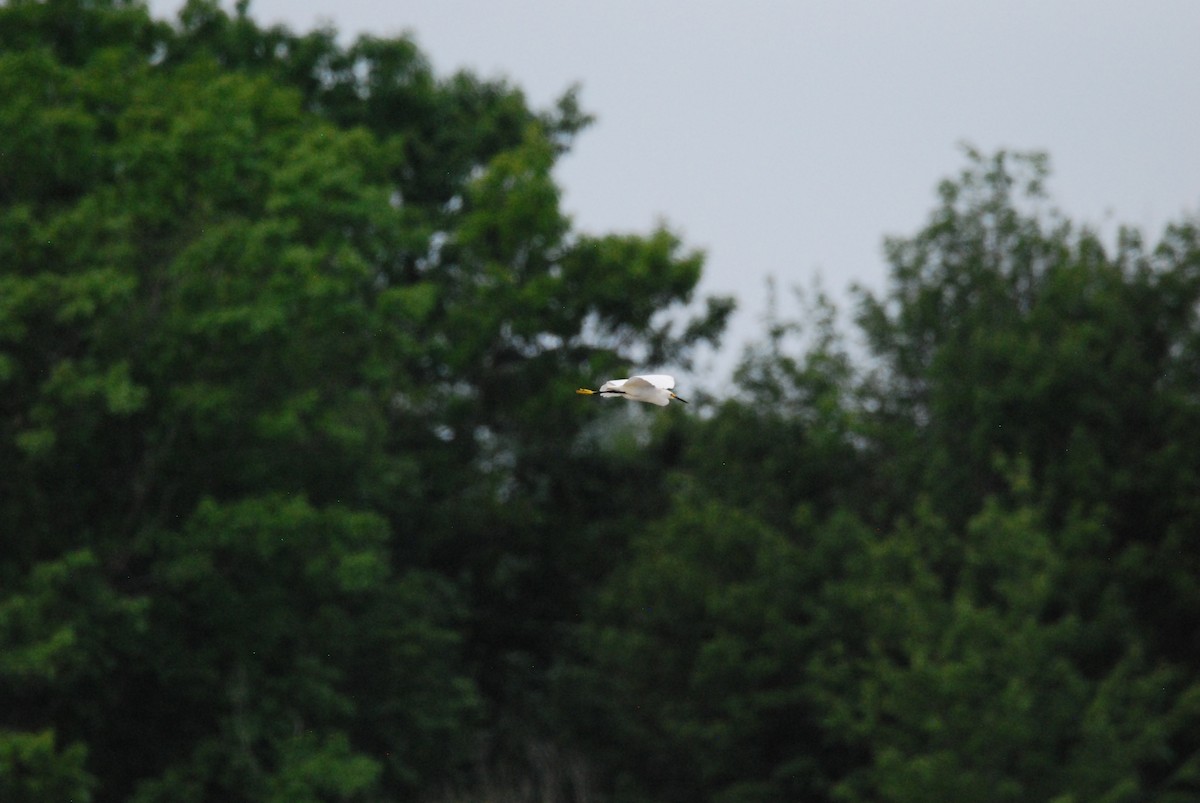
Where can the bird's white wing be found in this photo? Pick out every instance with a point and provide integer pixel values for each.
(613, 384)
(664, 381)
(638, 388)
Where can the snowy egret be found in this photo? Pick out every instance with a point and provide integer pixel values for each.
(652, 388)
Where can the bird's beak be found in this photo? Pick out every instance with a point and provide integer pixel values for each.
(676, 398)
(585, 392)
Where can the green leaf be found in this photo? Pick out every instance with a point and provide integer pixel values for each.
(32, 767)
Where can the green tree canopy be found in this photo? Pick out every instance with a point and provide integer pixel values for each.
(963, 559)
(287, 336)
(297, 503)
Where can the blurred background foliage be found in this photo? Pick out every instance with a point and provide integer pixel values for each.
(296, 502)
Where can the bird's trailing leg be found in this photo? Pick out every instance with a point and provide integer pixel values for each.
(610, 391)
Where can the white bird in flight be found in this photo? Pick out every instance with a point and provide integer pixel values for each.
(651, 388)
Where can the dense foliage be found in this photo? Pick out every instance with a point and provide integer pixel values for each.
(297, 503)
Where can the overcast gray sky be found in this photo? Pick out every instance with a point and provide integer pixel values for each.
(788, 138)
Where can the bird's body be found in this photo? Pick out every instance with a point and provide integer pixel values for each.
(649, 388)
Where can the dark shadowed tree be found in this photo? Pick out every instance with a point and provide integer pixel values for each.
(288, 331)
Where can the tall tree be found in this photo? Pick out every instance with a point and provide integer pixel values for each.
(287, 333)
(960, 563)
(1007, 335)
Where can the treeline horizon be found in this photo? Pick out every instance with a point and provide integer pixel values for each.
(297, 502)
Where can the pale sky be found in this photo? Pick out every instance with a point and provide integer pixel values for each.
(787, 139)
